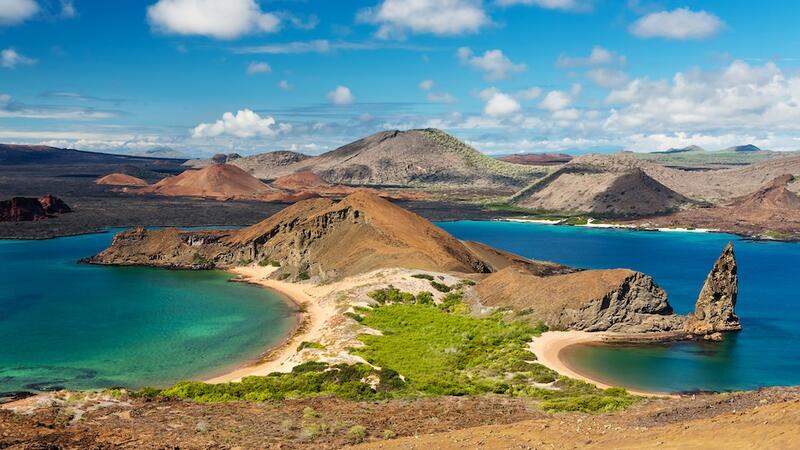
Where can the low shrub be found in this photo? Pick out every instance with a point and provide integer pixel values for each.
(423, 276)
(315, 345)
(441, 287)
(303, 276)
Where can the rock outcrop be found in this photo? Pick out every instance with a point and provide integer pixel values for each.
(618, 300)
(715, 310)
(19, 209)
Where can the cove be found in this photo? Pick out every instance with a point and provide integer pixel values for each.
(765, 353)
(77, 326)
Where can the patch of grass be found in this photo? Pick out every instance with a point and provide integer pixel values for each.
(612, 399)
(779, 235)
(423, 276)
(357, 433)
(303, 276)
(315, 345)
(269, 262)
(354, 316)
(441, 287)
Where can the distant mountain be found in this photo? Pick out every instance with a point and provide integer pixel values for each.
(35, 154)
(691, 148)
(743, 148)
(414, 157)
(538, 159)
(265, 165)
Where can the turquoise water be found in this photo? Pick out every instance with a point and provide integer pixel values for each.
(64, 324)
(765, 353)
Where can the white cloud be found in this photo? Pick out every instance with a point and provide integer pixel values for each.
(68, 10)
(284, 85)
(440, 17)
(258, 67)
(245, 124)
(555, 100)
(13, 12)
(532, 93)
(681, 23)
(499, 104)
(10, 59)
(607, 78)
(598, 57)
(227, 19)
(324, 46)
(341, 96)
(493, 63)
(564, 5)
(440, 97)
(738, 98)
(10, 108)
(426, 85)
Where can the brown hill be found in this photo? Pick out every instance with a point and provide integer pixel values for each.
(120, 179)
(773, 211)
(320, 237)
(538, 159)
(416, 157)
(585, 187)
(219, 181)
(11, 154)
(300, 181)
(270, 165)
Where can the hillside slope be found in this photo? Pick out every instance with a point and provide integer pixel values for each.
(215, 181)
(587, 187)
(414, 157)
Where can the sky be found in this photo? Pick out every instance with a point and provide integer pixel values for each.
(198, 77)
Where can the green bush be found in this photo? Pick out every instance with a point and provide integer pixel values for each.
(303, 276)
(357, 433)
(315, 345)
(391, 295)
(423, 276)
(441, 287)
(424, 298)
(354, 316)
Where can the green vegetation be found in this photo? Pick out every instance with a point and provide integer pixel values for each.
(200, 260)
(315, 345)
(269, 262)
(441, 287)
(357, 433)
(577, 220)
(303, 276)
(779, 235)
(424, 349)
(423, 276)
(245, 262)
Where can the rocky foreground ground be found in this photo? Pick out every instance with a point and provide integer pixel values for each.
(766, 419)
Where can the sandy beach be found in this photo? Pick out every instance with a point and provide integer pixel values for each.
(309, 326)
(549, 345)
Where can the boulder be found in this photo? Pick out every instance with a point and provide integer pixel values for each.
(715, 308)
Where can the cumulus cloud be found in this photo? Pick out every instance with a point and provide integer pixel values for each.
(395, 18)
(532, 93)
(258, 67)
(493, 63)
(681, 23)
(10, 59)
(499, 104)
(598, 57)
(555, 101)
(564, 5)
(227, 19)
(13, 12)
(244, 124)
(607, 78)
(738, 97)
(341, 96)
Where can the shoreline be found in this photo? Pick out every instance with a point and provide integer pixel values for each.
(549, 346)
(309, 320)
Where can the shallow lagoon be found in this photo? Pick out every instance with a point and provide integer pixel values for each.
(65, 324)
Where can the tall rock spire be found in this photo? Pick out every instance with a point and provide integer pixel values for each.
(715, 308)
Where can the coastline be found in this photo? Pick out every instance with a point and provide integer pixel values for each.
(309, 323)
(548, 348)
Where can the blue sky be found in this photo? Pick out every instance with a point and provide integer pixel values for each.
(202, 76)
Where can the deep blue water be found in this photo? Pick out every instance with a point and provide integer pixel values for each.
(64, 324)
(765, 353)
